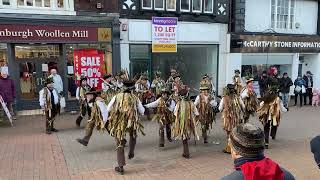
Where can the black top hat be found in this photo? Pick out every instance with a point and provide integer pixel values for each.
(106, 76)
(49, 80)
(237, 71)
(94, 92)
(129, 84)
(83, 79)
(184, 92)
(176, 75)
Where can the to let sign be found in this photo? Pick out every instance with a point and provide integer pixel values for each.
(164, 34)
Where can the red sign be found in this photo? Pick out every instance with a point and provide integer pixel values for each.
(53, 33)
(89, 63)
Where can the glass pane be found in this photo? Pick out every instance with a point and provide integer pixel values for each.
(60, 3)
(29, 2)
(139, 52)
(185, 5)
(38, 3)
(138, 67)
(171, 4)
(196, 4)
(46, 3)
(159, 4)
(3, 55)
(34, 51)
(5, 2)
(146, 4)
(21, 2)
(208, 5)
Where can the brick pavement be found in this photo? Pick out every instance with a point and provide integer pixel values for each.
(31, 154)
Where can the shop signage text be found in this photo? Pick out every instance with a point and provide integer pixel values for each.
(274, 44)
(53, 33)
(164, 34)
(88, 63)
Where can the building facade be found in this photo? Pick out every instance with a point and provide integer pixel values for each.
(201, 38)
(281, 33)
(36, 36)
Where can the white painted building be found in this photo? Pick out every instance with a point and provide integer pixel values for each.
(288, 21)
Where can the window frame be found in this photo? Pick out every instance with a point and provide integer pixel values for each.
(175, 6)
(204, 7)
(184, 10)
(201, 8)
(147, 8)
(163, 5)
(286, 19)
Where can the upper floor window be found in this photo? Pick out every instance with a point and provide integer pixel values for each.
(159, 4)
(208, 6)
(282, 14)
(147, 4)
(197, 6)
(171, 5)
(185, 5)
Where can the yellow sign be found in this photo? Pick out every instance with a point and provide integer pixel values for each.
(104, 34)
(164, 48)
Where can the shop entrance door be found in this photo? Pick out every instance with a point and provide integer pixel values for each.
(32, 68)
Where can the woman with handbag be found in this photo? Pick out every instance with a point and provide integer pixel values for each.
(299, 90)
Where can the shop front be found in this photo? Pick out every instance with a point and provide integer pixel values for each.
(255, 53)
(30, 51)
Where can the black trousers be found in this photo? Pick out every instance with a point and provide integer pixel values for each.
(267, 133)
(308, 94)
(84, 110)
(296, 99)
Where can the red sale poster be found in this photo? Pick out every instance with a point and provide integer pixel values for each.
(89, 63)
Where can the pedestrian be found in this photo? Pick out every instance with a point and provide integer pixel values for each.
(315, 149)
(273, 79)
(309, 85)
(269, 113)
(8, 90)
(185, 121)
(165, 107)
(58, 84)
(205, 104)
(263, 83)
(49, 99)
(232, 108)
(249, 99)
(285, 84)
(98, 117)
(299, 90)
(247, 152)
(81, 97)
(124, 110)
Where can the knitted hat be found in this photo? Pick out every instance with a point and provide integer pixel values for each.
(315, 149)
(247, 140)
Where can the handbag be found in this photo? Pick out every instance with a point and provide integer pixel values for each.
(297, 89)
(62, 102)
(303, 90)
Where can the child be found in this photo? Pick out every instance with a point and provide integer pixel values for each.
(315, 97)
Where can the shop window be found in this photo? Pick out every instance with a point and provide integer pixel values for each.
(37, 51)
(159, 4)
(6, 2)
(208, 6)
(3, 55)
(196, 5)
(171, 5)
(282, 14)
(185, 5)
(140, 62)
(146, 4)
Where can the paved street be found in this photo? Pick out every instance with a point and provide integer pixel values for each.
(27, 153)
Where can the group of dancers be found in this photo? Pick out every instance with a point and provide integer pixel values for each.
(119, 106)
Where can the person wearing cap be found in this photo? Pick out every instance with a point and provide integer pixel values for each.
(269, 113)
(98, 117)
(232, 108)
(309, 85)
(124, 112)
(205, 104)
(285, 84)
(49, 99)
(158, 84)
(315, 149)
(165, 106)
(81, 97)
(247, 151)
(184, 125)
(249, 99)
(237, 81)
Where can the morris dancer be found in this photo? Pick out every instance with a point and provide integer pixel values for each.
(81, 97)
(158, 84)
(250, 100)
(237, 81)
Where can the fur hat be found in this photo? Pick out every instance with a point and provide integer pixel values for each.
(247, 140)
(315, 149)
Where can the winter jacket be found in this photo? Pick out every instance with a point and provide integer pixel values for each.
(8, 90)
(285, 84)
(238, 174)
(263, 84)
(273, 81)
(300, 83)
(307, 81)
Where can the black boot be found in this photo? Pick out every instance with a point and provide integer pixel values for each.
(119, 170)
(131, 156)
(83, 142)
(78, 121)
(54, 130)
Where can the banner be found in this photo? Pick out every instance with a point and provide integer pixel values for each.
(164, 34)
(89, 63)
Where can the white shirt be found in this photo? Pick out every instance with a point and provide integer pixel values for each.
(244, 94)
(103, 109)
(195, 111)
(42, 98)
(221, 105)
(213, 102)
(156, 104)
(58, 84)
(282, 108)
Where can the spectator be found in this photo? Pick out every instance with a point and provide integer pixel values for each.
(285, 84)
(299, 89)
(247, 151)
(57, 81)
(273, 79)
(309, 85)
(263, 83)
(315, 149)
(8, 90)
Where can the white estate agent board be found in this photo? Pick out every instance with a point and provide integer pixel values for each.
(164, 34)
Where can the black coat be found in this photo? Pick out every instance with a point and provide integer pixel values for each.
(285, 84)
(307, 80)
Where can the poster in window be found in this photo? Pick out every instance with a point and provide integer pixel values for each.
(164, 34)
